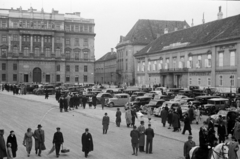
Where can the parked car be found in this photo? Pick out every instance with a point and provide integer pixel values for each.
(41, 90)
(138, 102)
(168, 104)
(118, 100)
(105, 95)
(215, 104)
(187, 93)
(174, 91)
(130, 91)
(153, 104)
(137, 94)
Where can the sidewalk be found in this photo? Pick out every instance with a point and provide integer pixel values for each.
(99, 113)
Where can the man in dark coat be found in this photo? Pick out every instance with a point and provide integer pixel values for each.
(57, 95)
(39, 137)
(169, 118)
(135, 135)
(188, 146)
(150, 135)
(3, 152)
(58, 140)
(84, 101)
(164, 115)
(87, 142)
(61, 103)
(221, 132)
(103, 102)
(118, 117)
(204, 145)
(134, 116)
(13, 140)
(65, 104)
(46, 93)
(175, 122)
(191, 114)
(94, 101)
(105, 123)
(187, 125)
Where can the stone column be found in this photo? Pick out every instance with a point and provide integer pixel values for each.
(42, 43)
(53, 44)
(31, 43)
(9, 43)
(63, 45)
(20, 43)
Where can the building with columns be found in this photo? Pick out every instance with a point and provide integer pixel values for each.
(105, 68)
(143, 32)
(41, 47)
(206, 55)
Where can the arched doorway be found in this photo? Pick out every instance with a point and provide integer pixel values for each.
(37, 75)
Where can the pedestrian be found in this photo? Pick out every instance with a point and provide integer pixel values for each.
(191, 114)
(66, 103)
(58, 141)
(175, 122)
(221, 132)
(188, 145)
(197, 115)
(27, 141)
(87, 142)
(135, 135)
(150, 135)
(90, 100)
(94, 101)
(39, 140)
(169, 118)
(164, 115)
(210, 126)
(105, 123)
(236, 130)
(233, 148)
(128, 117)
(13, 140)
(141, 130)
(134, 116)
(3, 152)
(149, 114)
(46, 94)
(187, 125)
(9, 151)
(84, 101)
(61, 101)
(103, 102)
(118, 117)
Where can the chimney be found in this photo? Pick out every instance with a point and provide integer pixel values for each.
(165, 30)
(112, 50)
(121, 38)
(203, 20)
(192, 23)
(220, 14)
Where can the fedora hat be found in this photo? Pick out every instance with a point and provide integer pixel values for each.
(39, 126)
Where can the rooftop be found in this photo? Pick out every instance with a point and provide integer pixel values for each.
(108, 56)
(219, 30)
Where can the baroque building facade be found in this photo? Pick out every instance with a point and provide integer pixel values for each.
(105, 69)
(206, 55)
(41, 47)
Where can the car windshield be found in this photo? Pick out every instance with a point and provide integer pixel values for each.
(153, 102)
(210, 102)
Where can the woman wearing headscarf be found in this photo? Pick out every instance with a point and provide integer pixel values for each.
(13, 140)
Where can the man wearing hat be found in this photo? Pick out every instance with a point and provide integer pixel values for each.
(150, 135)
(58, 140)
(187, 125)
(3, 152)
(39, 140)
(188, 145)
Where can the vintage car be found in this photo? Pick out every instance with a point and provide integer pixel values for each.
(215, 117)
(118, 100)
(105, 95)
(152, 104)
(168, 104)
(131, 91)
(42, 89)
(215, 104)
(138, 102)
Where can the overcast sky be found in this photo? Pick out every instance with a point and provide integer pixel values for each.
(116, 17)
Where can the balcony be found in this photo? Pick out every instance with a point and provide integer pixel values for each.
(174, 70)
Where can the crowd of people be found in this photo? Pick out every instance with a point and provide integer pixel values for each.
(14, 88)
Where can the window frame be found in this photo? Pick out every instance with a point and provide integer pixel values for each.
(220, 60)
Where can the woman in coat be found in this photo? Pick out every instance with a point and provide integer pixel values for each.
(118, 117)
(27, 141)
(164, 115)
(3, 152)
(141, 130)
(169, 118)
(87, 142)
(12, 139)
(233, 148)
(236, 131)
(128, 117)
(175, 122)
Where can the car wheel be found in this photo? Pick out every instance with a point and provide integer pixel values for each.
(111, 104)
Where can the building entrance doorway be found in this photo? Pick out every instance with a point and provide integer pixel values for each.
(37, 75)
(179, 79)
(25, 78)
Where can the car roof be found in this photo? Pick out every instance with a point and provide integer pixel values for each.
(121, 94)
(198, 97)
(144, 97)
(158, 100)
(218, 99)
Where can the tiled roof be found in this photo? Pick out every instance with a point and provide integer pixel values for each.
(214, 31)
(108, 56)
(144, 31)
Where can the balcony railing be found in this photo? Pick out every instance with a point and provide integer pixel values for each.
(171, 70)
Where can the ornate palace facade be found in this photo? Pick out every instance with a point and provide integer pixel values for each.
(41, 47)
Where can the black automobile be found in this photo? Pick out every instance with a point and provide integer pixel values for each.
(152, 104)
(140, 101)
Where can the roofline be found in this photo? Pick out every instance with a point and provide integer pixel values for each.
(186, 47)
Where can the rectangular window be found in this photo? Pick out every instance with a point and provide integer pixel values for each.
(85, 55)
(76, 41)
(85, 68)
(209, 60)
(232, 58)
(67, 68)
(58, 67)
(14, 66)
(67, 79)
(190, 62)
(67, 28)
(85, 28)
(160, 64)
(76, 55)
(58, 52)
(81, 28)
(3, 77)
(199, 62)
(67, 54)
(26, 51)
(76, 28)
(76, 68)
(232, 80)
(36, 51)
(15, 50)
(4, 24)
(15, 25)
(48, 52)
(209, 81)
(15, 37)
(3, 66)
(85, 42)
(220, 59)
(143, 66)
(67, 41)
(4, 52)
(14, 77)
(76, 79)
(138, 66)
(85, 78)
(57, 26)
(58, 40)
(58, 78)
(72, 27)
(4, 38)
(174, 62)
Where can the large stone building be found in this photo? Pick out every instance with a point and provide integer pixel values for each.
(105, 69)
(45, 47)
(142, 33)
(206, 55)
